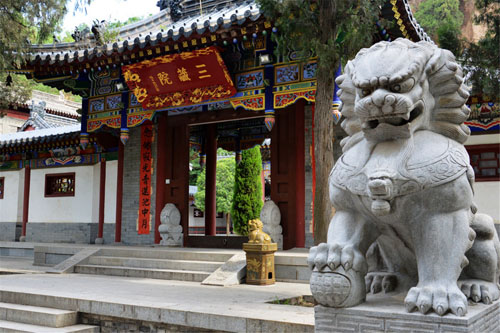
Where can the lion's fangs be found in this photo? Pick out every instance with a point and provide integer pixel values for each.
(394, 120)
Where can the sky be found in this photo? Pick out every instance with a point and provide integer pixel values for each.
(109, 10)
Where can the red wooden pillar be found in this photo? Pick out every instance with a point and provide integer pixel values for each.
(176, 182)
(119, 193)
(160, 172)
(211, 173)
(26, 199)
(287, 172)
(102, 196)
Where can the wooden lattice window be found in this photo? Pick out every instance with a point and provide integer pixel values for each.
(2, 187)
(60, 185)
(485, 159)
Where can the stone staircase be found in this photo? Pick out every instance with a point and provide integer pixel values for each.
(167, 264)
(26, 318)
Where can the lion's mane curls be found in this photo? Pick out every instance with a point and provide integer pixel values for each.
(446, 84)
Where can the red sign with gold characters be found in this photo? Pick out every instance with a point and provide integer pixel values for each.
(145, 180)
(180, 79)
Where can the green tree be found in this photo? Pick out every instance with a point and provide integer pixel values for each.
(247, 200)
(224, 186)
(433, 14)
(330, 30)
(482, 59)
(23, 22)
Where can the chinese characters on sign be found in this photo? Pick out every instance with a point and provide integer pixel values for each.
(145, 179)
(180, 79)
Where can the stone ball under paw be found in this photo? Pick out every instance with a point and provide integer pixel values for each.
(338, 289)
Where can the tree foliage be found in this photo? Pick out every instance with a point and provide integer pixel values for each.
(21, 23)
(329, 30)
(433, 14)
(224, 186)
(482, 59)
(247, 200)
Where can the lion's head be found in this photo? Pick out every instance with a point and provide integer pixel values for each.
(255, 224)
(394, 89)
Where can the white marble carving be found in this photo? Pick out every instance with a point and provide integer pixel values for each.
(170, 228)
(271, 218)
(402, 189)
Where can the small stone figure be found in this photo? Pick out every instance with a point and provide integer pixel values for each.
(55, 39)
(98, 29)
(271, 217)
(174, 6)
(170, 228)
(80, 35)
(256, 235)
(402, 189)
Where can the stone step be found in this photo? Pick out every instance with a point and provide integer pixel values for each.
(188, 265)
(149, 273)
(11, 327)
(35, 315)
(177, 254)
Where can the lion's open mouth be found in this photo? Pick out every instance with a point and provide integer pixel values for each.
(398, 119)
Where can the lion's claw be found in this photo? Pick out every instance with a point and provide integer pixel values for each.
(334, 256)
(439, 298)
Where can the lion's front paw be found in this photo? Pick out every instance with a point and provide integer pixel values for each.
(440, 298)
(480, 290)
(335, 255)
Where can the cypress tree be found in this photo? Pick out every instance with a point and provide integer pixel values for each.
(247, 200)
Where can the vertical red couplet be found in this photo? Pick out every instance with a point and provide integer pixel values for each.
(144, 217)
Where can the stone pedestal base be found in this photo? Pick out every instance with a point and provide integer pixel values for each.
(387, 314)
(260, 263)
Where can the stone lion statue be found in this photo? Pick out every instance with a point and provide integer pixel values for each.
(256, 235)
(402, 189)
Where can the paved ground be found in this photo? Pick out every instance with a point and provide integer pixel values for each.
(235, 308)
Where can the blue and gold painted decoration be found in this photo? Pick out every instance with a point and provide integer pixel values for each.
(124, 135)
(104, 81)
(287, 73)
(484, 116)
(64, 161)
(269, 120)
(114, 102)
(84, 139)
(309, 70)
(249, 99)
(11, 165)
(250, 80)
(286, 95)
(96, 105)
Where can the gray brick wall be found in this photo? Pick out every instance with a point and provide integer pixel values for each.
(81, 233)
(8, 231)
(131, 174)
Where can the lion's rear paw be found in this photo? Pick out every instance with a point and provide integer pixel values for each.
(480, 290)
(376, 282)
(334, 255)
(439, 298)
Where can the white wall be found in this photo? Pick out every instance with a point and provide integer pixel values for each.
(110, 195)
(11, 206)
(64, 209)
(483, 139)
(487, 198)
(486, 194)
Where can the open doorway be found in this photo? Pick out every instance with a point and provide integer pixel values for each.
(215, 151)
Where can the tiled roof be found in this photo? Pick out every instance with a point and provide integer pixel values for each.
(149, 32)
(159, 29)
(42, 135)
